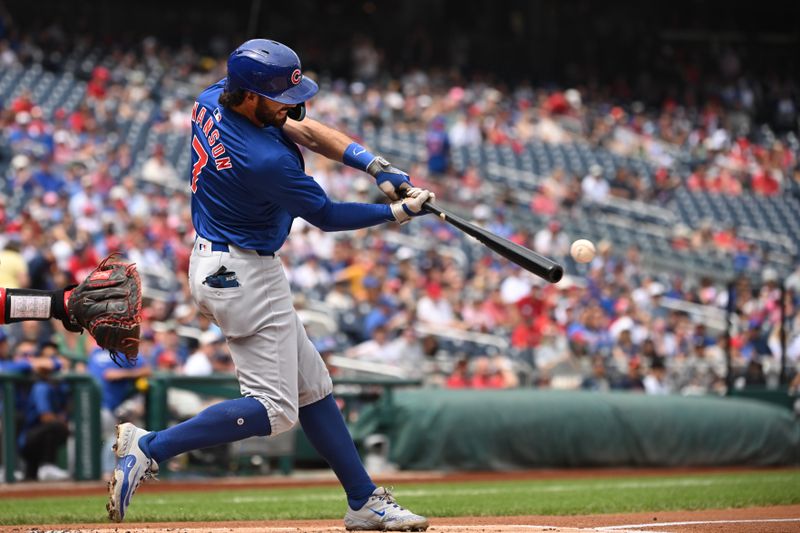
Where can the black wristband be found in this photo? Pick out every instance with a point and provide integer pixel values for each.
(28, 304)
(59, 309)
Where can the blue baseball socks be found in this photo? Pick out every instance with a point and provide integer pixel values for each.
(325, 428)
(226, 421)
(234, 420)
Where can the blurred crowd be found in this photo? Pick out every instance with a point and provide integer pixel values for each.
(709, 130)
(420, 301)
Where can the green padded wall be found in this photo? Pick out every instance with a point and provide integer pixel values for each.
(490, 430)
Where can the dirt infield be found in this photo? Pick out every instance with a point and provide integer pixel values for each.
(778, 519)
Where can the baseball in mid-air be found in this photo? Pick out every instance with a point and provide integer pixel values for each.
(582, 250)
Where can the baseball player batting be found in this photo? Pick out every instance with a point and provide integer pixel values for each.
(248, 183)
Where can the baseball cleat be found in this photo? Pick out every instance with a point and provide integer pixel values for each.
(382, 513)
(133, 467)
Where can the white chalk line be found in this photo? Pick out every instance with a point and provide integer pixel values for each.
(697, 523)
(275, 529)
(507, 527)
(626, 528)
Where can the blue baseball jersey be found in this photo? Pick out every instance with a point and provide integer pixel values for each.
(248, 183)
(113, 392)
(45, 397)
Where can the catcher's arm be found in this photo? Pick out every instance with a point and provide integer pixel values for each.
(18, 305)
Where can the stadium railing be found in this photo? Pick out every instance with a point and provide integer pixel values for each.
(85, 426)
(352, 391)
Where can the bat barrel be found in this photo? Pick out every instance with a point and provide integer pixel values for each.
(555, 274)
(539, 265)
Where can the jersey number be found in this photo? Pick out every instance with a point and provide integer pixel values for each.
(202, 159)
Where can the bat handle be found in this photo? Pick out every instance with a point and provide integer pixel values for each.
(431, 207)
(402, 189)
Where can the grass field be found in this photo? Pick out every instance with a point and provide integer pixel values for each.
(541, 497)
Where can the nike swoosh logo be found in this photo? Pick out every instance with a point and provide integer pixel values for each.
(379, 513)
(131, 462)
(358, 152)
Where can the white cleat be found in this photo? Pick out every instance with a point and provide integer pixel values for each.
(382, 513)
(133, 466)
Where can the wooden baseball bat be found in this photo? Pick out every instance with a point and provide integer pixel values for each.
(534, 263)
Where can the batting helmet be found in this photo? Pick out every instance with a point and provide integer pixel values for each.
(270, 69)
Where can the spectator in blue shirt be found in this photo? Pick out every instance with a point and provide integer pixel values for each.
(47, 179)
(438, 144)
(44, 430)
(380, 315)
(117, 384)
(24, 359)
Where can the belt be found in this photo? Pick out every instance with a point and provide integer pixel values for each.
(223, 247)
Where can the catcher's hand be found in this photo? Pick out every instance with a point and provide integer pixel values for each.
(108, 303)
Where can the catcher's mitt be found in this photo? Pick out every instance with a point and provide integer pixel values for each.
(108, 303)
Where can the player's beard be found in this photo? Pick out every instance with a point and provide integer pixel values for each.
(267, 116)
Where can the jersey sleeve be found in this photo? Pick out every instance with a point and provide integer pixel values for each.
(21, 367)
(290, 187)
(349, 215)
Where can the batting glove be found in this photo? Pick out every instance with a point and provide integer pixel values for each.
(388, 177)
(411, 205)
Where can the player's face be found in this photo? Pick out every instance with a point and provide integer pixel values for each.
(271, 113)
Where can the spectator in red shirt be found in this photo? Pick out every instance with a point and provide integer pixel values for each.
(528, 333)
(495, 312)
(83, 261)
(484, 376)
(459, 378)
(726, 239)
(729, 183)
(22, 103)
(531, 305)
(697, 180)
(543, 204)
(96, 88)
(764, 183)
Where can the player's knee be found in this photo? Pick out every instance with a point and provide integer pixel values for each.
(283, 413)
(285, 419)
(314, 394)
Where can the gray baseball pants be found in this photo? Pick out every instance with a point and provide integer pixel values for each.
(275, 361)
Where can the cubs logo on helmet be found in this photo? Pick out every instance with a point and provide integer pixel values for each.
(296, 76)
